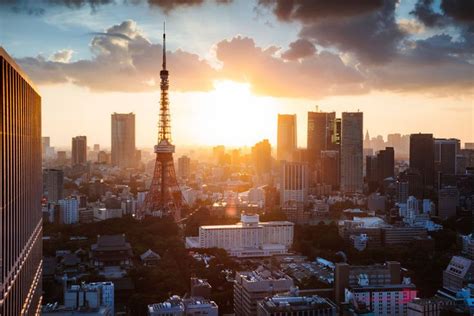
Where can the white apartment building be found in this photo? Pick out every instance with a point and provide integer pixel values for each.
(249, 238)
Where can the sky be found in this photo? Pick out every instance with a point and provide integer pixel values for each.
(235, 64)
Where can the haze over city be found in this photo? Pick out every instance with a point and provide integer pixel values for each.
(236, 64)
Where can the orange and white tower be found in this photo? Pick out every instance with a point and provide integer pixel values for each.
(164, 194)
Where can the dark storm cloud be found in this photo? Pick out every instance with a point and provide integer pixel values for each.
(309, 10)
(39, 7)
(424, 12)
(300, 48)
(373, 37)
(462, 10)
(454, 12)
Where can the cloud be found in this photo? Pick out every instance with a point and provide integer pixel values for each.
(411, 26)
(425, 13)
(123, 59)
(62, 56)
(311, 10)
(122, 65)
(437, 64)
(365, 28)
(118, 35)
(316, 76)
(462, 10)
(19, 6)
(300, 48)
(450, 12)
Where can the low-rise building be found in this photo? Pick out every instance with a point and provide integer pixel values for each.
(294, 305)
(458, 274)
(253, 286)
(249, 238)
(111, 250)
(176, 306)
(427, 306)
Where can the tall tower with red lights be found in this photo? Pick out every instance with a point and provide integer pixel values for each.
(164, 194)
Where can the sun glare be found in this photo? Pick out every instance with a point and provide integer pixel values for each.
(235, 116)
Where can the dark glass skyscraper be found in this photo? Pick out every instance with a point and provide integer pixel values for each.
(21, 191)
(321, 127)
(79, 150)
(422, 157)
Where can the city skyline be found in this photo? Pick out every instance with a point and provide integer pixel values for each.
(212, 90)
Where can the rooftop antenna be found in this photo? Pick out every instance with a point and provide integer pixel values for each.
(164, 46)
(317, 108)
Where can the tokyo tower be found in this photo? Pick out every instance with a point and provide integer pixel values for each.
(164, 194)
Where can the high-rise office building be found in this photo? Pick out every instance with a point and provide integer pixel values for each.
(445, 151)
(448, 201)
(422, 157)
(20, 218)
(184, 167)
(385, 163)
(294, 183)
(330, 168)
(54, 180)
(351, 152)
(79, 150)
(321, 131)
(262, 157)
(123, 140)
(286, 138)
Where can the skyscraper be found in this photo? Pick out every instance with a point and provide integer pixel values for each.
(286, 138)
(20, 216)
(445, 155)
(53, 179)
(330, 168)
(184, 167)
(422, 157)
(262, 157)
(351, 152)
(321, 130)
(385, 164)
(79, 150)
(294, 183)
(123, 140)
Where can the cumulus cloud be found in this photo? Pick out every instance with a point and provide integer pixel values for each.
(62, 56)
(300, 48)
(367, 29)
(123, 65)
(123, 59)
(411, 26)
(316, 76)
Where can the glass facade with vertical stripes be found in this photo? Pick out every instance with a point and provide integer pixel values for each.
(20, 192)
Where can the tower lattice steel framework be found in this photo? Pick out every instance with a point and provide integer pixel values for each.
(164, 194)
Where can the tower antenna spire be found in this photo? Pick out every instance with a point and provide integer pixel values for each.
(164, 46)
